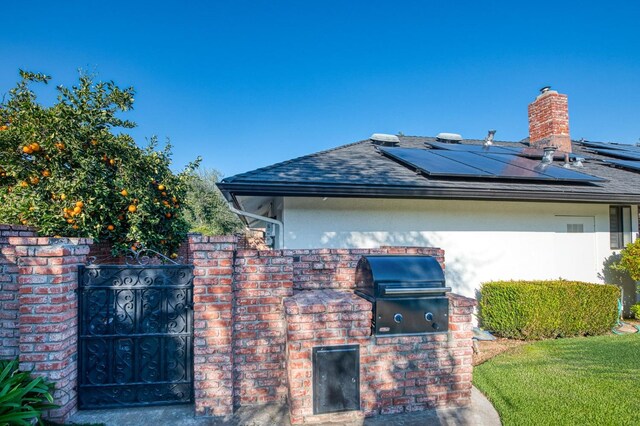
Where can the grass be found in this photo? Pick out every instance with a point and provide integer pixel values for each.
(579, 381)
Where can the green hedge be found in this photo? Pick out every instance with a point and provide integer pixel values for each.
(635, 311)
(547, 309)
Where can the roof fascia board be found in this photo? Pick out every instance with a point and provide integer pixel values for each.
(231, 190)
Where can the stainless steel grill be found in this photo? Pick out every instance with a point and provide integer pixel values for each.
(408, 294)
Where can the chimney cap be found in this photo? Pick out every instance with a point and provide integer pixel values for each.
(545, 89)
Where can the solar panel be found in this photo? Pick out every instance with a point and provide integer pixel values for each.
(444, 163)
(493, 149)
(627, 155)
(538, 154)
(432, 164)
(614, 146)
(596, 144)
(473, 148)
(493, 166)
(555, 172)
(631, 165)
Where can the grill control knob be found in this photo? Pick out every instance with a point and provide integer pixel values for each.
(397, 318)
(435, 326)
(428, 316)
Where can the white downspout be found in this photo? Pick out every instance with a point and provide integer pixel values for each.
(280, 225)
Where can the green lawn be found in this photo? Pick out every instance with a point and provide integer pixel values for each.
(579, 381)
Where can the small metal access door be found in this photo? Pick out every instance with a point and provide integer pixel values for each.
(336, 379)
(135, 335)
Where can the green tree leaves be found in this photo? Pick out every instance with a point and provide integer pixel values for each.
(207, 211)
(67, 170)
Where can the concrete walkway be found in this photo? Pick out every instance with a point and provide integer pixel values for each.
(479, 413)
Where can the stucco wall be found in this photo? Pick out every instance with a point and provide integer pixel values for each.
(483, 240)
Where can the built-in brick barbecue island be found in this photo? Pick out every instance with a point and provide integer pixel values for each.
(398, 341)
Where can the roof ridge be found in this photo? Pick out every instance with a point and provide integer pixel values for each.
(282, 163)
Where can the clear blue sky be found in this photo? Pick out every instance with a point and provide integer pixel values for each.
(246, 84)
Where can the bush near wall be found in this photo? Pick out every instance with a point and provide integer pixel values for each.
(548, 309)
(635, 311)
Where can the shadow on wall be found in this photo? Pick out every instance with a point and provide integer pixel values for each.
(613, 274)
(459, 270)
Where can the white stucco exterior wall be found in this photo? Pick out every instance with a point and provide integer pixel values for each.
(483, 240)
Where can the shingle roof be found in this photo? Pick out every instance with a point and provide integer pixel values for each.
(360, 170)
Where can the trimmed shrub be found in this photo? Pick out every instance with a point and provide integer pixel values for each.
(23, 397)
(635, 311)
(547, 309)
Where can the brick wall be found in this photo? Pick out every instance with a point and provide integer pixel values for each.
(247, 351)
(262, 279)
(397, 374)
(212, 258)
(9, 296)
(335, 268)
(48, 312)
(549, 121)
(323, 318)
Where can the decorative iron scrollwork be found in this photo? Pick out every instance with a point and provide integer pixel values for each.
(136, 335)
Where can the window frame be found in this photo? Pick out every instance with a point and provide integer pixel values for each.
(620, 223)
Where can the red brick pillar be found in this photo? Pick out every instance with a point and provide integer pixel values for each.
(212, 319)
(48, 318)
(323, 318)
(461, 348)
(262, 280)
(9, 304)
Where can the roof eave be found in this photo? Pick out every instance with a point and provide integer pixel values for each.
(231, 190)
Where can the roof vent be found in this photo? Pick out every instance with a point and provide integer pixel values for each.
(449, 137)
(547, 156)
(488, 141)
(384, 139)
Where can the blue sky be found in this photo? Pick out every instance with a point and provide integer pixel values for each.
(246, 84)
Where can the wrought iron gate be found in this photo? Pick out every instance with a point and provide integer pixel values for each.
(136, 335)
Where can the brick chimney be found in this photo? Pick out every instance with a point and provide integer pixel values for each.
(549, 120)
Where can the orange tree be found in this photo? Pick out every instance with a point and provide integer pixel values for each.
(67, 169)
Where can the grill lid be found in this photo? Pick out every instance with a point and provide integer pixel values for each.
(376, 274)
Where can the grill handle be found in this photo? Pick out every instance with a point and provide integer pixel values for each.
(415, 290)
